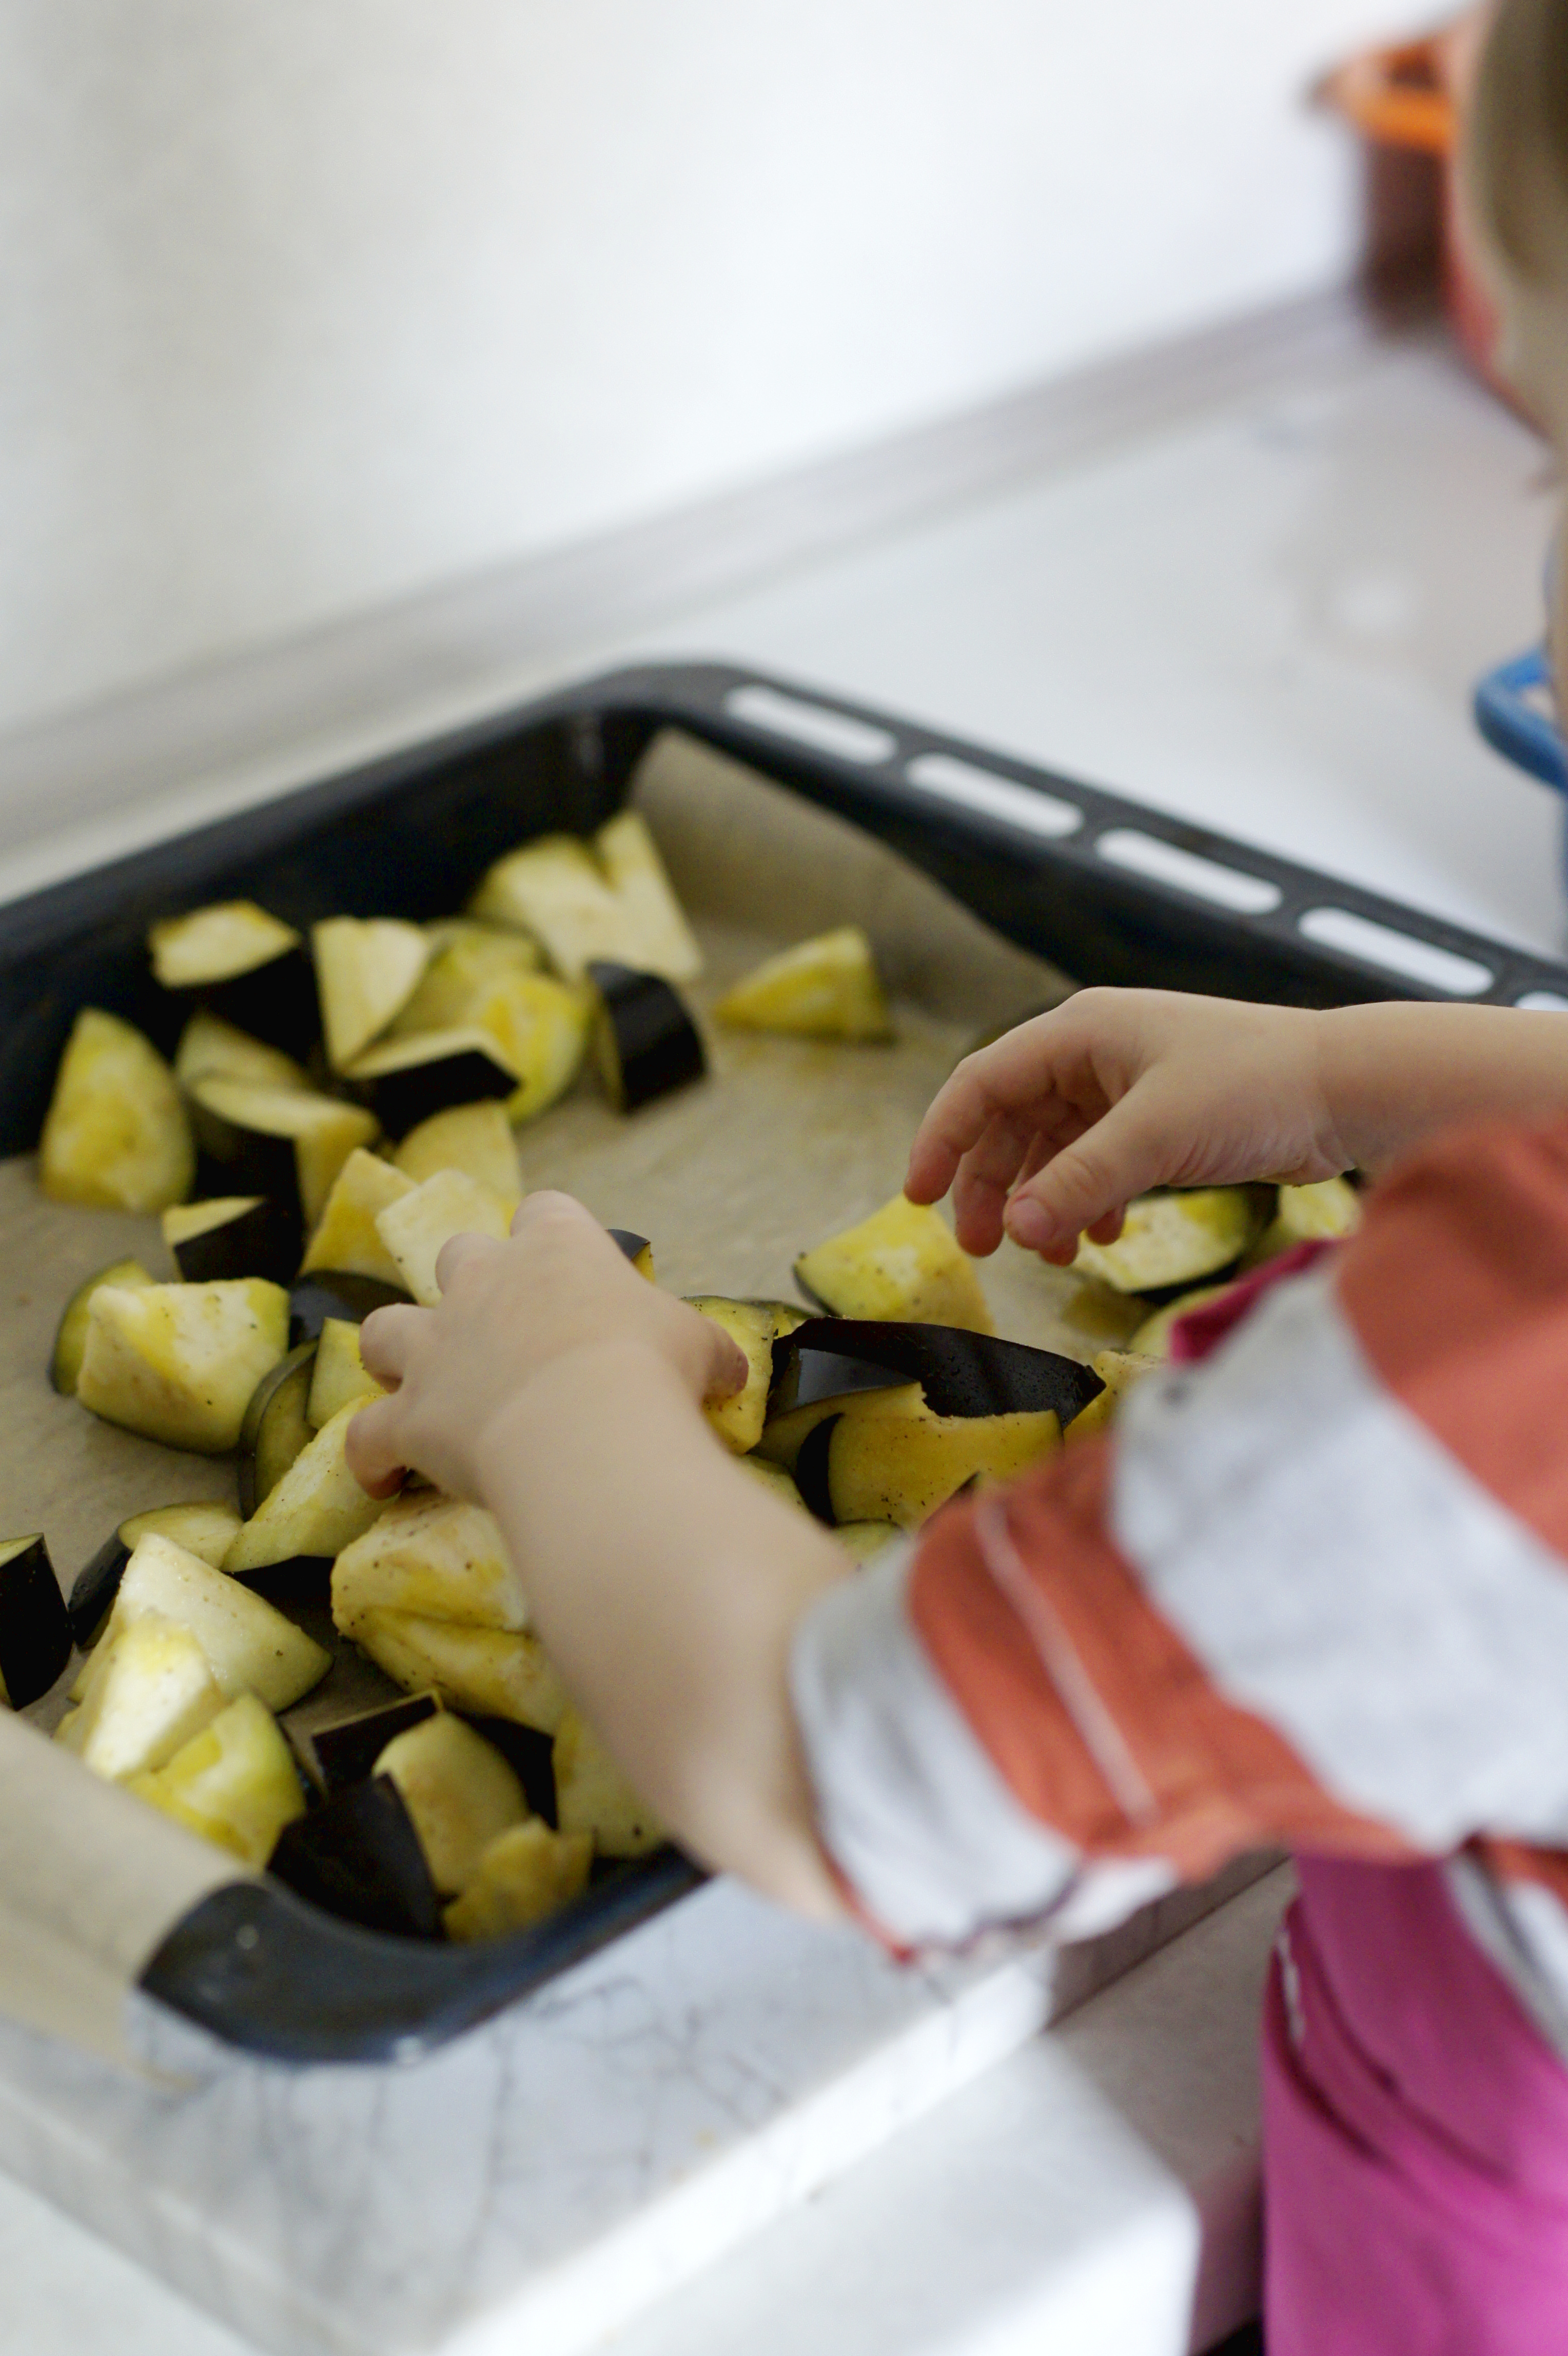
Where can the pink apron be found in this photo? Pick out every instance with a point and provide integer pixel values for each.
(1415, 2122)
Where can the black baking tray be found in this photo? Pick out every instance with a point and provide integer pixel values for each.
(1041, 857)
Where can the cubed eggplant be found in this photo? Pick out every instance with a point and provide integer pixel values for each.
(276, 1430)
(206, 1530)
(337, 1292)
(35, 1625)
(459, 1790)
(231, 1234)
(523, 1875)
(366, 969)
(341, 1754)
(210, 1048)
(638, 1249)
(417, 1228)
(902, 1262)
(70, 1333)
(235, 1782)
(961, 1371)
(609, 898)
(902, 1466)
(312, 1511)
(288, 1144)
(246, 1642)
(359, 1856)
(408, 1081)
(345, 1237)
(429, 1554)
(826, 987)
(179, 1362)
(474, 1137)
(754, 1326)
(1172, 1238)
(338, 1373)
(117, 1135)
(593, 1796)
(246, 966)
(541, 1027)
(646, 1041)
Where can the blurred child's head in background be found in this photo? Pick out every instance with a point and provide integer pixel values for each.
(1516, 187)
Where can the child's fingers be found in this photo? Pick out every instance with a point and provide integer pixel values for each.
(1035, 1076)
(985, 1088)
(459, 1252)
(729, 1369)
(384, 1340)
(985, 1176)
(1122, 1154)
(370, 1448)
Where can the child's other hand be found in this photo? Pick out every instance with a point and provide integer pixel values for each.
(509, 1312)
(1049, 1132)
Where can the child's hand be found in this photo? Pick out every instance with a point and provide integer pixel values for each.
(509, 1313)
(1051, 1131)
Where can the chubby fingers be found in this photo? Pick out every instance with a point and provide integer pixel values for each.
(729, 1369)
(462, 1251)
(1020, 1083)
(385, 1339)
(1084, 1188)
(371, 1451)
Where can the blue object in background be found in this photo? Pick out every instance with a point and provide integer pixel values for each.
(1516, 711)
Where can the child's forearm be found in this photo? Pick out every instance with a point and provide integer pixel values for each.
(1393, 1075)
(667, 1586)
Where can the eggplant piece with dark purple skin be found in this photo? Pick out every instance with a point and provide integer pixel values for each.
(358, 1856)
(638, 1249)
(406, 1081)
(811, 1470)
(231, 1234)
(960, 1373)
(528, 1754)
(276, 1428)
(335, 1757)
(336, 1292)
(70, 1333)
(288, 1144)
(646, 1042)
(35, 1625)
(243, 965)
(204, 1530)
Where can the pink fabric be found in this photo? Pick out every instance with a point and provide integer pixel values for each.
(1415, 2133)
(1415, 2122)
(1202, 1329)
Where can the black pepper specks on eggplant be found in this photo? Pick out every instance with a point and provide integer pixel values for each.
(645, 1040)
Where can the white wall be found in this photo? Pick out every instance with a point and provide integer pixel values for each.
(305, 305)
